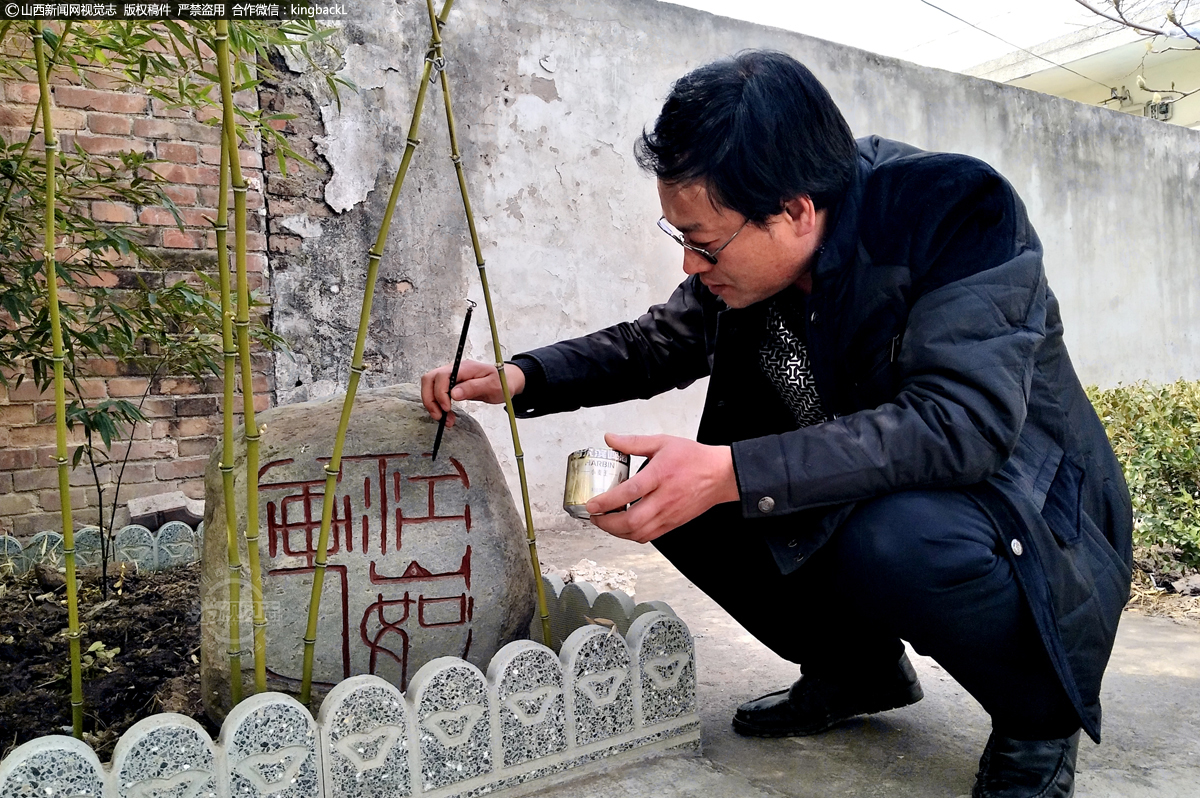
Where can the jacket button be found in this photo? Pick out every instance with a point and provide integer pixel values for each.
(766, 504)
(1017, 548)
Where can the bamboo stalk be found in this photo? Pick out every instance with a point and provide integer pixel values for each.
(229, 373)
(242, 323)
(334, 466)
(60, 397)
(456, 157)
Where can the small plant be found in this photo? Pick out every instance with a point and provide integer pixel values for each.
(1155, 432)
(99, 657)
(8, 569)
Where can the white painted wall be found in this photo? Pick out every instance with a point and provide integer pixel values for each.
(550, 98)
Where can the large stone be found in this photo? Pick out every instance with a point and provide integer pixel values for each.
(425, 558)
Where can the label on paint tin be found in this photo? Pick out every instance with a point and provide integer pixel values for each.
(591, 472)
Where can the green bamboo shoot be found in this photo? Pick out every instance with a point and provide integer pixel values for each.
(60, 397)
(456, 158)
(242, 323)
(229, 375)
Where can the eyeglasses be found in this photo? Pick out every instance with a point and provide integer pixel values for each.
(680, 239)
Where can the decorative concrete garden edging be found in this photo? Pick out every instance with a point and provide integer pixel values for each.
(535, 718)
(575, 604)
(175, 543)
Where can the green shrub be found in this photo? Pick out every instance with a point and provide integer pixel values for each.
(1155, 431)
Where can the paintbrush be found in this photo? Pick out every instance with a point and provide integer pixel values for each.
(462, 342)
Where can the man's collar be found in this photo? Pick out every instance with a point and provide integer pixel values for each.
(842, 241)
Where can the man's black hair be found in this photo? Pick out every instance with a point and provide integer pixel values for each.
(756, 130)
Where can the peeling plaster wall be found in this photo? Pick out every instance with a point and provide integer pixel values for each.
(550, 98)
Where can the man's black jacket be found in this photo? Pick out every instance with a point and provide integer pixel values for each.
(937, 345)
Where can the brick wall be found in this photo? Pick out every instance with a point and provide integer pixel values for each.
(171, 451)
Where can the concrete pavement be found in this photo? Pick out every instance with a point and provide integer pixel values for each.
(1151, 704)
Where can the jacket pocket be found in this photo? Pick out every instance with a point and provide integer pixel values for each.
(1099, 541)
(1070, 523)
(1061, 510)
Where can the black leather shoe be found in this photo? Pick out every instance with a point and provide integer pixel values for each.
(1027, 768)
(818, 702)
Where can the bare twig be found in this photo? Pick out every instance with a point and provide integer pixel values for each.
(1141, 82)
(1181, 94)
(1121, 19)
(99, 491)
(112, 517)
(1174, 20)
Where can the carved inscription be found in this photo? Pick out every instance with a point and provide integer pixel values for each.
(385, 580)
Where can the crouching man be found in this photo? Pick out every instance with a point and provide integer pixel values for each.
(890, 406)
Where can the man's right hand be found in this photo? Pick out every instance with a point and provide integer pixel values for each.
(478, 381)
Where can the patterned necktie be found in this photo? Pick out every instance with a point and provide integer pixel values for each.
(783, 358)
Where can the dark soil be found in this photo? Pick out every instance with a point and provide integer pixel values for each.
(153, 619)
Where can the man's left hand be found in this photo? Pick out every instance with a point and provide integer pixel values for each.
(681, 480)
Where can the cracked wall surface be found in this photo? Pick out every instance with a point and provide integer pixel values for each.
(549, 99)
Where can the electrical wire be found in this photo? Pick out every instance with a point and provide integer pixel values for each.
(1016, 46)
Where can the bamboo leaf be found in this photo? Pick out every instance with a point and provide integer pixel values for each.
(332, 85)
(107, 430)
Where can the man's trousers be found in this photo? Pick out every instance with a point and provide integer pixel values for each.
(923, 566)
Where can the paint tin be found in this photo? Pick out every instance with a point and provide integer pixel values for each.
(591, 472)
